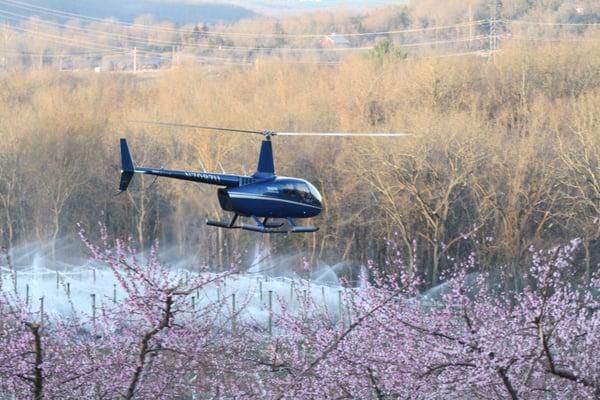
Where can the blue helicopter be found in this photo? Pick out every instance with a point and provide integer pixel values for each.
(263, 196)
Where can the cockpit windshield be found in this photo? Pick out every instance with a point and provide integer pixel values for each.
(303, 191)
(315, 193)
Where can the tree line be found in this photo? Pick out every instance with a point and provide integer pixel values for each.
(504, 155)
(34, 37)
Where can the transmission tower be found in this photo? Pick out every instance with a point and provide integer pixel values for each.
(493, 46)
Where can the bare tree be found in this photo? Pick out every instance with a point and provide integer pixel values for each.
(579, 152)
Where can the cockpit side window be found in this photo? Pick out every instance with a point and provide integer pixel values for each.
(288, 189)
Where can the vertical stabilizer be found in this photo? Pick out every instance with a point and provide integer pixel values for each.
(266, 167)
(127, 166)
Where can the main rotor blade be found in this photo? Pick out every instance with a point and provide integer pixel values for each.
(270, 133)
(213, 128)
(346, 134)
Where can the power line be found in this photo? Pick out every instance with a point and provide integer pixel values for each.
(60, 39)
(148, 41)
(493, 36)
(438, 42)
(74, 42)
(539, 23)
(50, 11)
(556, 40)
(97, 48)
(481, 53)
(112, 50)
(56, 54)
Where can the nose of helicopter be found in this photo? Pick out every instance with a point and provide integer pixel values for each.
(318, 204)
(317, 200)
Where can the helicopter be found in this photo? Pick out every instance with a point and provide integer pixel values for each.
(264, 197)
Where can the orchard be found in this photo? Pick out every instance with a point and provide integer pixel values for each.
(474, 339)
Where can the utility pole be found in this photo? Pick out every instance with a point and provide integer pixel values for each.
(93, 296)
(493, 46)
(172, 56)
(134, 60)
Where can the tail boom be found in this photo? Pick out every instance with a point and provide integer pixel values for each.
(128, 170)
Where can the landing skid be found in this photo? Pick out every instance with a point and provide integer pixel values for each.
(224, 224)
(264, 226)
(301, 229)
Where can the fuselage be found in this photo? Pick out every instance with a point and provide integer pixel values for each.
(275, 197)
(262, 196)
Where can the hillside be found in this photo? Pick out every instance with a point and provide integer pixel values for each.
(181, 13)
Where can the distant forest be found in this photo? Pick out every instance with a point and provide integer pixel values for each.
(84, 38)
(505, 152)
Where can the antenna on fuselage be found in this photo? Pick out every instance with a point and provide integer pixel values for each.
(202, 165)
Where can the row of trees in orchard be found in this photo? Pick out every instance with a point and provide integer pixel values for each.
(473, 340)
(504, 155)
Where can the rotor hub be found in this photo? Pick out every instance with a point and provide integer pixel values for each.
(269, 134)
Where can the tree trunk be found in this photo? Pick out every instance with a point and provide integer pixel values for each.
(140, 224)
(435, 265)
(220, 249)
(144, 347)
(588, 269)
(56, 221)
(38, 375)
